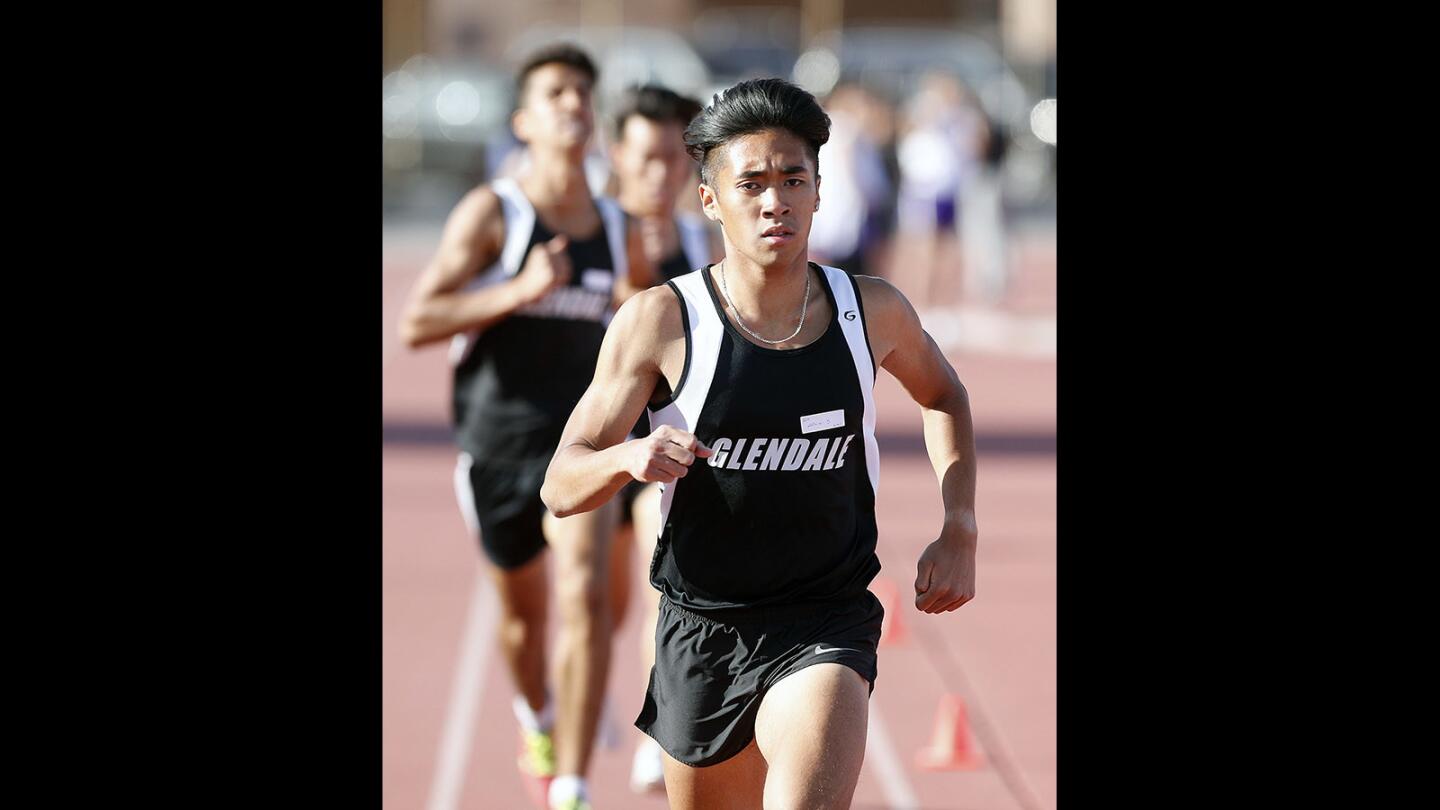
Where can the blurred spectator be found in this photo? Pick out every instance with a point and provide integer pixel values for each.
(853, 183)
(982, 228)
(878, 121)
(938, 153)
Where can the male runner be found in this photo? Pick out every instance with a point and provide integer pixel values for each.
(524, 282)
(762, 367)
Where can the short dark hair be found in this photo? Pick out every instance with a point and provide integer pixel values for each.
(559, 53)
(754, 106)
(659, 104)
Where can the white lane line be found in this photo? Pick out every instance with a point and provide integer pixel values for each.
(465, 691)
(881, 757)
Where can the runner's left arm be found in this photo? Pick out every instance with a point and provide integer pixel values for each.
(945, 573)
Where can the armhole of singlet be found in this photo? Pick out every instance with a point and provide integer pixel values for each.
(515, 209)
(685, 369)
(864, 327)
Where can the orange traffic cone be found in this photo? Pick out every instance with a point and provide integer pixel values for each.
(892, 627)
(951, 747)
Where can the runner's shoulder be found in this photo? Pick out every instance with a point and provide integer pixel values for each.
(480, 210)
(652, 314)
(880, 298)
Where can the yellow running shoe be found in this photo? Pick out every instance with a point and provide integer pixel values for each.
(537, 764)
(537, 753)
(573, 803)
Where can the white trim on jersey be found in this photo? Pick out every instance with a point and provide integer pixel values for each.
(519, 224)
(702, 352)
(845, 291)
(519, 217)
(464, 493)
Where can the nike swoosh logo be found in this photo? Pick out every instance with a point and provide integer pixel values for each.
(820, 649)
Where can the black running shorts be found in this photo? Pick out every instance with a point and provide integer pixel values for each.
(710, 674)
(501, 501)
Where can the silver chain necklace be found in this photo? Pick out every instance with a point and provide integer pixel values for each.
(804, 305)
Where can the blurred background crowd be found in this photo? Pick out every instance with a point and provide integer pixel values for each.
(942, 152)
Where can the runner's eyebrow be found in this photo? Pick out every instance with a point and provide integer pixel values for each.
(761, 172)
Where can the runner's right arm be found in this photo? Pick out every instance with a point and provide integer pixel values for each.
(593, 460)
(474, 235)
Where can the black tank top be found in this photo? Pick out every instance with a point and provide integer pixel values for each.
(519, 380)
(784, 512)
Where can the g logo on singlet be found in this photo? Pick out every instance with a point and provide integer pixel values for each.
(849, 314)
